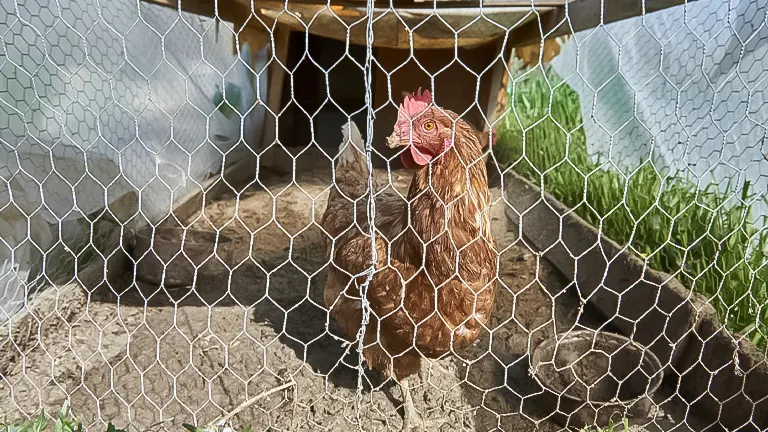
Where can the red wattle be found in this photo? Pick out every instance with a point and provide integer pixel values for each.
(419, 157)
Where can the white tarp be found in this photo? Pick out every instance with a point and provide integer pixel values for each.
(685, 87)
(100, 99)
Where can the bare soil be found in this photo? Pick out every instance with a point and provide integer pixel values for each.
(135, 353)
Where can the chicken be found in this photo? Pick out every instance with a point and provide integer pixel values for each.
(433, 286)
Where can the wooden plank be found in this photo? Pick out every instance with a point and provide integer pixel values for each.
(275, 92)
(429, 4)
(411, 4)
(234, 10)
(582, 15)
(497, 79)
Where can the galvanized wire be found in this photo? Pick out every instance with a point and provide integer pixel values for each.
(113, 113)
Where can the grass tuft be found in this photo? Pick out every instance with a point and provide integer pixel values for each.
(611, 427)
(65, 421)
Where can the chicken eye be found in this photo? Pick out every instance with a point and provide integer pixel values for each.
(428, 126)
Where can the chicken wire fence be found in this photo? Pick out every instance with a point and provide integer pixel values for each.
(594, 251)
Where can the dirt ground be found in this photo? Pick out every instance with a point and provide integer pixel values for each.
(134, 353)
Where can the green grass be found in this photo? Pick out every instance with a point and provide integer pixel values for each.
(65, 421)
(611, 427)
(678, 227)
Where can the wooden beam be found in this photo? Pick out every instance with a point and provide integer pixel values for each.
(275, 92)
(233, 10)
(569, 16)
(496, 82)
(582, 15)
(430, 4)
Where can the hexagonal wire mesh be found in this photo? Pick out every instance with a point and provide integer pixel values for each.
(187, 237)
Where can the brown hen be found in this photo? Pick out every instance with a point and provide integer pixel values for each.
(433, 286)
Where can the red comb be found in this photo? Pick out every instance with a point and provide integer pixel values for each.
(424, 96)
(414, 104)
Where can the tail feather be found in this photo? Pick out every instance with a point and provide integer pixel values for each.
(352, 150)
(352, 172)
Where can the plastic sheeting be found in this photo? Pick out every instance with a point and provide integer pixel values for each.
(685, 88)
(98, 100)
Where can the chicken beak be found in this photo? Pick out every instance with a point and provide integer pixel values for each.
(393, 141)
